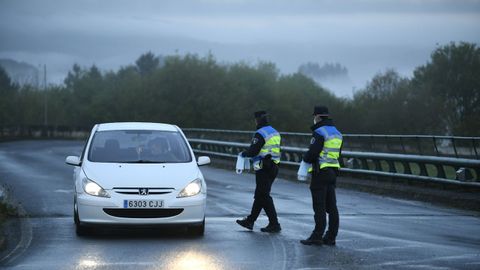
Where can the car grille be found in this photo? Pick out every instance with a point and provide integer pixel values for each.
(136, 191)
(143, 213)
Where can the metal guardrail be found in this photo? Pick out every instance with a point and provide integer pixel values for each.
(43, 132)
(437, 167)
(457, 171)
(441, 146)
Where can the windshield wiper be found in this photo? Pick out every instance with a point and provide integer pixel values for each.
(144, 161)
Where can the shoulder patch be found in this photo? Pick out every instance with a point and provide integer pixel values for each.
(254, 141)
(312, 141)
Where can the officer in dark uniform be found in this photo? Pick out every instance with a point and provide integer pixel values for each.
(323, 154)
(265, 153)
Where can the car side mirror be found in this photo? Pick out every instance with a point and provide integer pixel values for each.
(203, 160)
(73, 160)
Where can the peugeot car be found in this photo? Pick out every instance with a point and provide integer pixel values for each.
(138, 174)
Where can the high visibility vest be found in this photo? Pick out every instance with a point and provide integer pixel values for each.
(331, 147)
(271, 146)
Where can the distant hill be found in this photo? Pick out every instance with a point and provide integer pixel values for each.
(332, 76)
(20, 72)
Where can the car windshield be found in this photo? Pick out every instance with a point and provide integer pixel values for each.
(139, 146)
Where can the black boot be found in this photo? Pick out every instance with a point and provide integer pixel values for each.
(272, 228)
(314, 239)
(329, 241)
(245, 223)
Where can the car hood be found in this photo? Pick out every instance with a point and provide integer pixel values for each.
(168, 175)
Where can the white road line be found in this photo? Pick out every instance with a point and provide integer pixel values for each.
(442, 258)
(283, 253)
(311, 268)
(25, 238)
(426, 266)
(375, 249)
(64, 190)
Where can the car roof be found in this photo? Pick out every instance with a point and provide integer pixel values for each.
(136, 126)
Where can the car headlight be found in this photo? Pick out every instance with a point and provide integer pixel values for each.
(192, 189)
(94, 189)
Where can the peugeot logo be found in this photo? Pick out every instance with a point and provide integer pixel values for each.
(143, 191)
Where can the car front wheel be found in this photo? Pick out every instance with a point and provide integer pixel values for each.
(80, 230)
(197, 230)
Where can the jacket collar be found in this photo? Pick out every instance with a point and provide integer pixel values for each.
(325, 122)
(262, 125)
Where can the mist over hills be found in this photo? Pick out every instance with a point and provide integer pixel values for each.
(21, 73)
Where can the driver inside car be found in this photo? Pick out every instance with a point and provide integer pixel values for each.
(158, 150)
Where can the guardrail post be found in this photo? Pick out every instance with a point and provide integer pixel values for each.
(435, 144)
(403, 145)
(356, 164)
(391, 166)
(475, 148)
(378, 165)
(454, 147)
(419, 145)
(423, 169)
(406, 167)
(440, 171)
(364, 164)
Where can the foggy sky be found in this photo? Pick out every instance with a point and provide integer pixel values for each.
(366, 36)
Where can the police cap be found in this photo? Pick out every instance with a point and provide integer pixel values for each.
(260, 114)
(320, 110)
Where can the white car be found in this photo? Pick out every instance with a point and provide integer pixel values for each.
(138, 174)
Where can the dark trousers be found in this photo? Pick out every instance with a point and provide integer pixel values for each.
(324, 201)
(262, 200)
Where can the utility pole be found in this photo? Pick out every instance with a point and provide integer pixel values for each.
(45, 106)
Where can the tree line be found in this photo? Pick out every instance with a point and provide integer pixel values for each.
(442, 97)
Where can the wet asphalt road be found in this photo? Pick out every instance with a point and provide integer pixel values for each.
(375, 232)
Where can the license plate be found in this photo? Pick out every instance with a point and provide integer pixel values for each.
(142, 204)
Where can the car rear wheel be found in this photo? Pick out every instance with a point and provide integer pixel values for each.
(197, 230)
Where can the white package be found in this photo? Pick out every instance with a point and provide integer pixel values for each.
(302, 173)
(243, 163)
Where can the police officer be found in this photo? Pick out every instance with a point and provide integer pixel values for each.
(323, 153)
(265, 153)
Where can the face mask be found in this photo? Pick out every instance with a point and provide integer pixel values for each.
(314, 121)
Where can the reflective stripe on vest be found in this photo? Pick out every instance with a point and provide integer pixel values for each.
(271, 147)
(331, 147)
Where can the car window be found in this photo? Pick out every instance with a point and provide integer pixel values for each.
(139, 146)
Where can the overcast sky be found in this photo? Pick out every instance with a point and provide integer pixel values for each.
(367, 36)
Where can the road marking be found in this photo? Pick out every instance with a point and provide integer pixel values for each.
(283, 259)
(374, 249)
(311, 268)
(25, 238)
(230, 219)
(88, 264)
(442, 258)
(64, 190)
